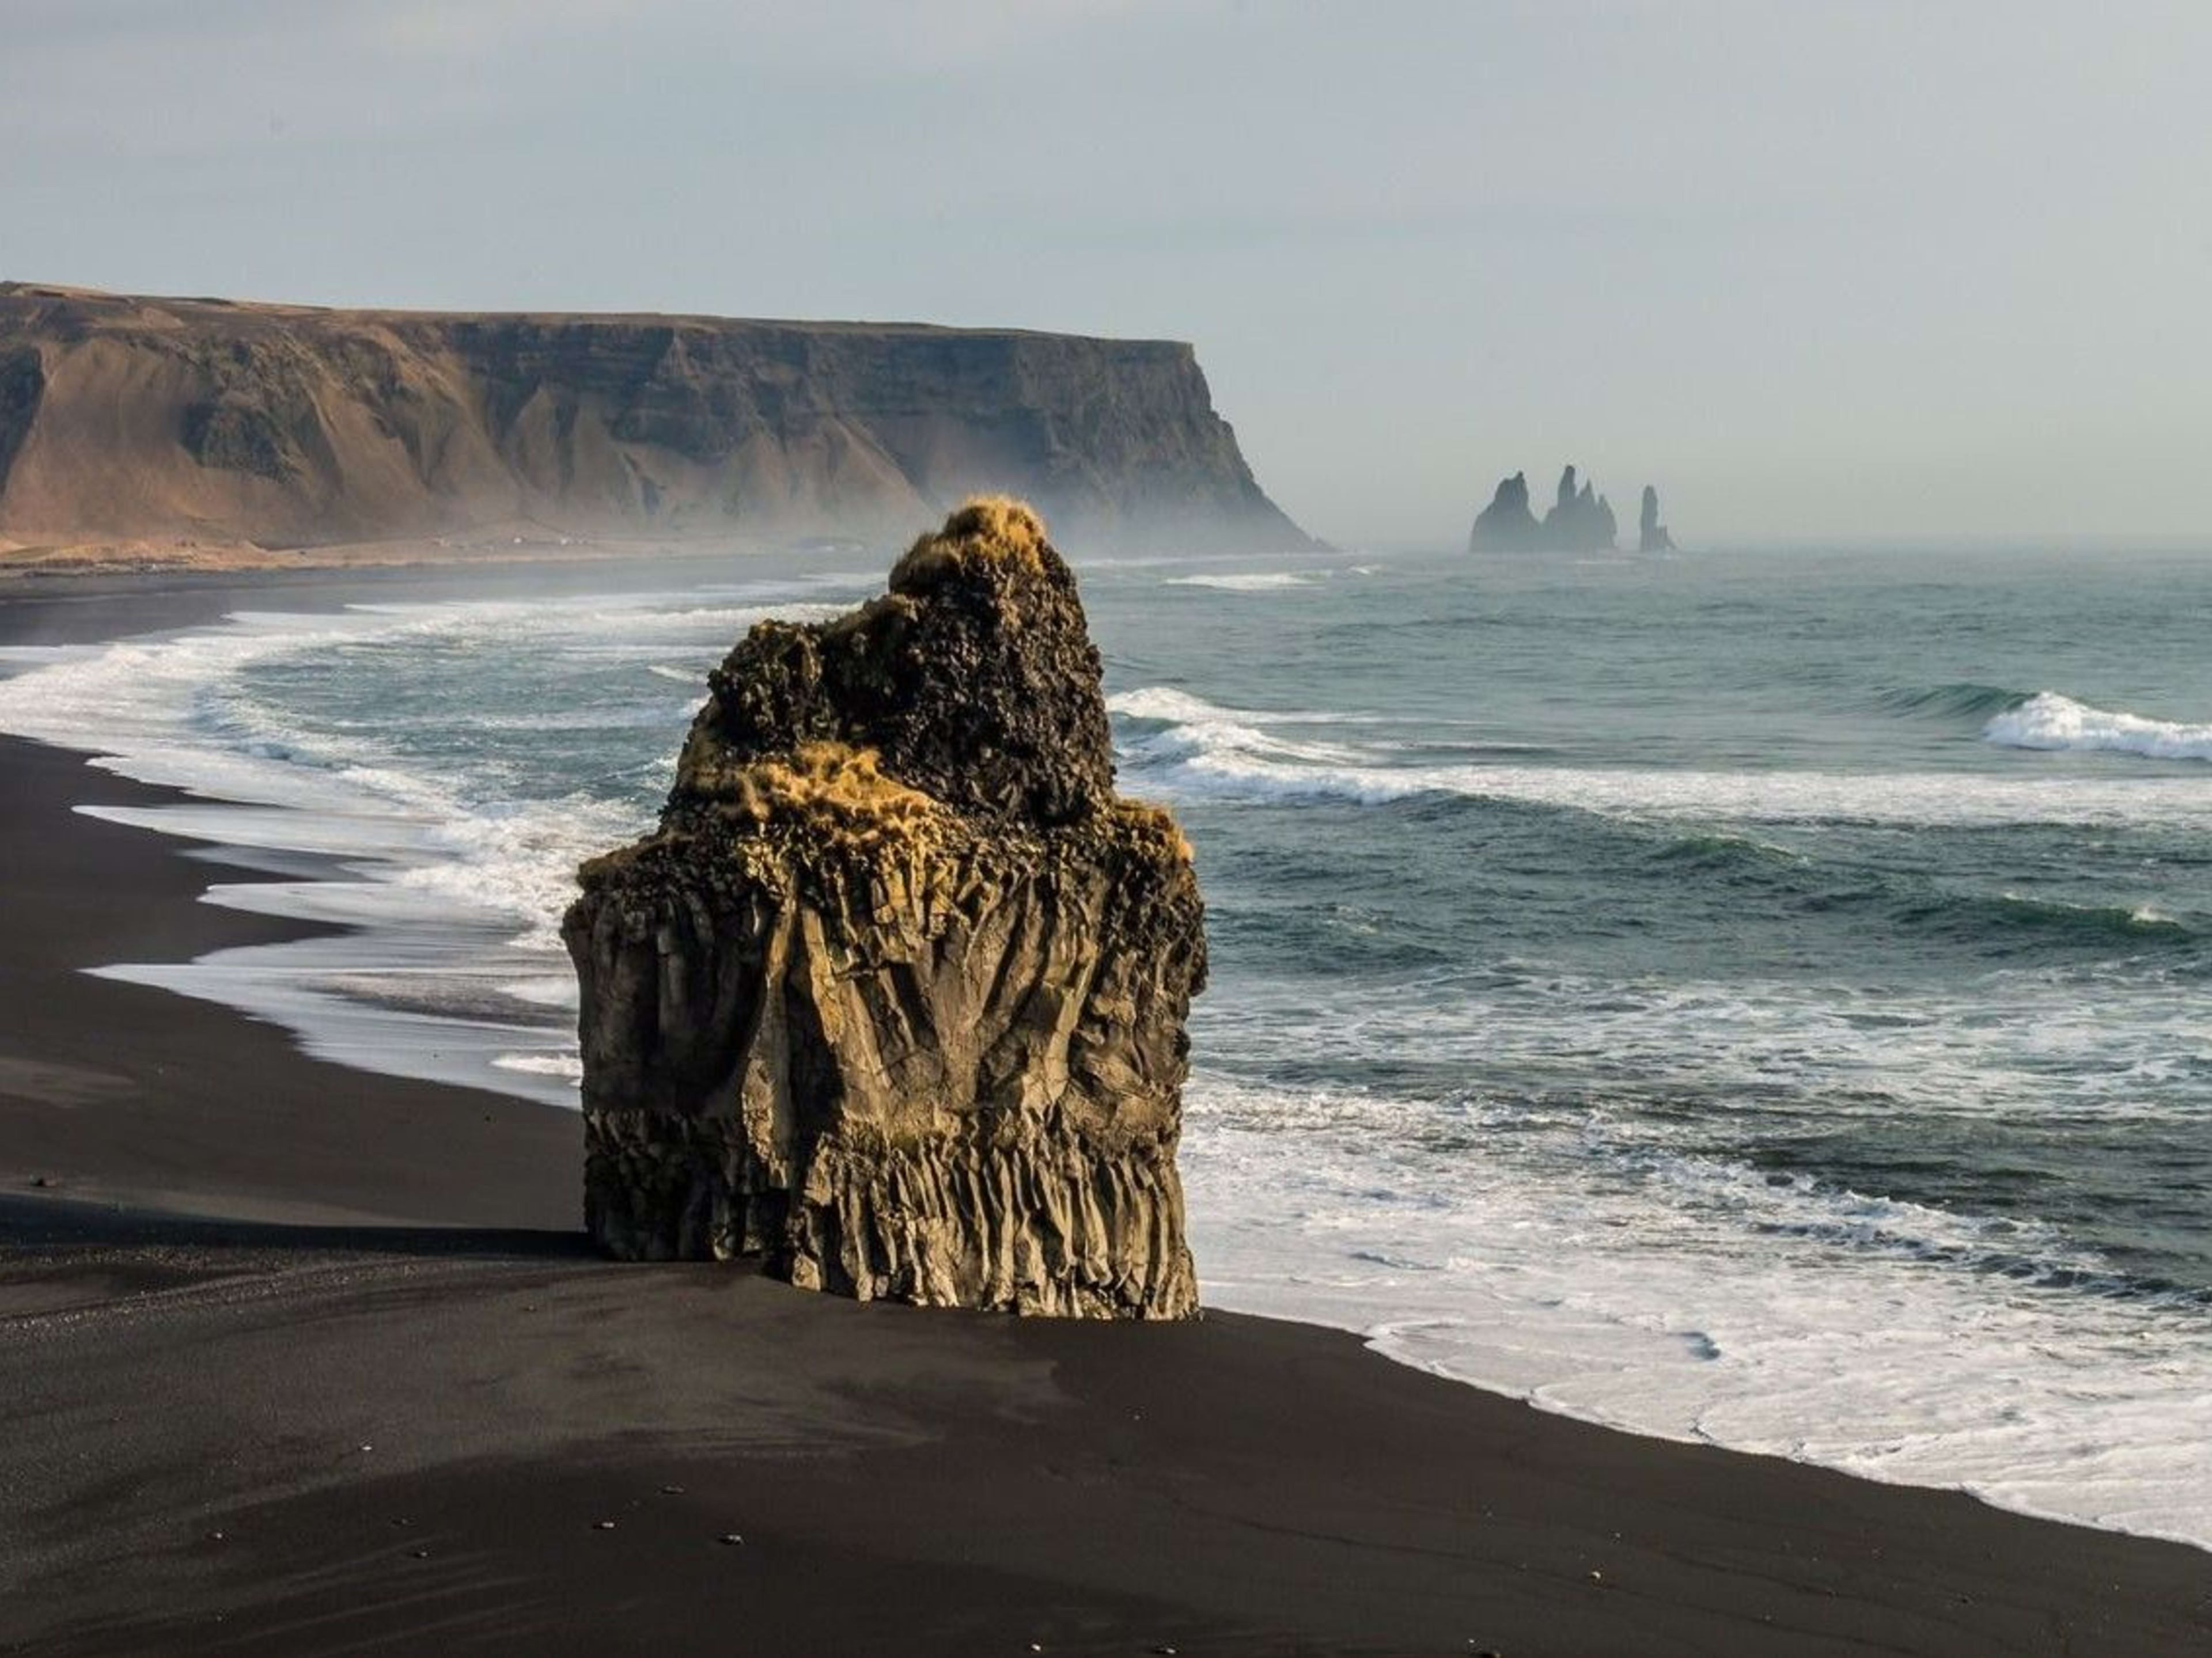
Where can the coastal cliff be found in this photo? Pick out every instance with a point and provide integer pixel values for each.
(288, 425)
(894, 997)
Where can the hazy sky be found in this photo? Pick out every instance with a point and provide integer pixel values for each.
(1844, 269)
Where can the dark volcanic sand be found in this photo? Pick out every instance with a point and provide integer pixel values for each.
(381, 1366)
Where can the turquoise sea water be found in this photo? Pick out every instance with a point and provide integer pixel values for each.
(1760, 997)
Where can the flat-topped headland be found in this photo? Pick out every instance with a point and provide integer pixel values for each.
(229, 424)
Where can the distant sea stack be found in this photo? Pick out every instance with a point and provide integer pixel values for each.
(288, 425)
(1507, 525)
(1581, 520)
(895, 996)
(1651, 535)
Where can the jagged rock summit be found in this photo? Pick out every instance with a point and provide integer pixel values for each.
(1506, 524)
(895, 996)
(1581, 520)
(1651, 535)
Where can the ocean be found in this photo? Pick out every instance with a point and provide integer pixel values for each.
(1760, 998)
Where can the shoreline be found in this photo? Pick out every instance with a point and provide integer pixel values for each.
(45, 562)
(94, 604)
(398, 1265)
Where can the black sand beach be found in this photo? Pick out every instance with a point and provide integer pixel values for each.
(298, 1359)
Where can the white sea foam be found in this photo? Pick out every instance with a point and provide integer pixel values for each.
(1598, 1272)
(2048, 720)
(1207, 751)
(568, 1067)
(1574, 1239)
(39, 656)
(548, 990)
(1249, 581)
(1170, 705)
(1166, 702)
(456, 888)
(2014, 1046)
(314, 988)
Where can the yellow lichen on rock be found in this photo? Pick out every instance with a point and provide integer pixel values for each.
(840, 794)
(987, 528)
(1156, 823)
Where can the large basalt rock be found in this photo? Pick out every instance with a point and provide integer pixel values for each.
(894, 997)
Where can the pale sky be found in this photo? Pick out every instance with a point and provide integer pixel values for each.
(1820, 271)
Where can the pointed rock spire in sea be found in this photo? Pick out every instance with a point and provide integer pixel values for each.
(1651, 535)
(1581, 520)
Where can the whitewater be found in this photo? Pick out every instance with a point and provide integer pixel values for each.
(1754, 998)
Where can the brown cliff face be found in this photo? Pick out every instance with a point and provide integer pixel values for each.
(895, 996)
(288, 425)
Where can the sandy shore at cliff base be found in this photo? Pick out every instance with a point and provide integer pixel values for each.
(66, 558)
(298, 1359)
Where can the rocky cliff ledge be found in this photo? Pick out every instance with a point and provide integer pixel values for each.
(286, 425)
(894, 997)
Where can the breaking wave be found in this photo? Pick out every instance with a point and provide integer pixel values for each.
(1979, 916)
(1964, 699)
(2049, 720)
(1199, 749)
(1255, 581)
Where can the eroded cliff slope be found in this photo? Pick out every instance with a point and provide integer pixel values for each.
(288, 425)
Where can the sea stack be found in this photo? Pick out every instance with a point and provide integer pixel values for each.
(895, 996)
(1581, 520)
(1506, 524)
(1651, 535)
